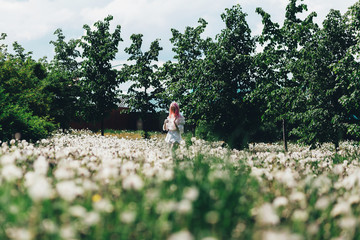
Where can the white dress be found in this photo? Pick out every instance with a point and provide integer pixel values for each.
(174, 133)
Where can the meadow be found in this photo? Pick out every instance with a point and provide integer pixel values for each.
(81, 185)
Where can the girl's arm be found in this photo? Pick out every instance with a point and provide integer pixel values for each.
(165, 128)
(179, 123)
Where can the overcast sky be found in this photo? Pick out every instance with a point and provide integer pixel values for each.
(33, 22)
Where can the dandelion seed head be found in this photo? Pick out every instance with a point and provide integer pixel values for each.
(266, 215)
(132, 182)
(280, 202)
(11, 172)
(182, 235)
(40, 188)
(128, 217)
(191, 193)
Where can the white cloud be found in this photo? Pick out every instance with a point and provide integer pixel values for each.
(32, 22)
(31, 19)
(155, 18)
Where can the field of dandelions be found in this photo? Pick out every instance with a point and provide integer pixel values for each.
(86, 186)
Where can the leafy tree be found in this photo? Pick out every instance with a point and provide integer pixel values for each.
(3, 47)
(180, 77)
(277, 85)
(347, 71)
(142, 94)
(224, 81)
(23, 78)
(211, 79)
(63, 80)
(99, 81)
(323, 118)
(24, 103)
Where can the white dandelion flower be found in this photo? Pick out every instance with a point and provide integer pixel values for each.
(40, 189)
(348, 222)
(128, 217)
(266, 215)
(67, 232)
(92, 218)
(18, 234)
(300, 215)
(341, 208)
(322, 203)
(182, 235)
(103, 205)
(132, 182)
(11, 172)
(184, 206)
(41, 166)
(280, 202)
(77, 211)
(191, 193)
(68, 190)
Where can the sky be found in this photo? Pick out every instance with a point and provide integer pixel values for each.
(32, 23)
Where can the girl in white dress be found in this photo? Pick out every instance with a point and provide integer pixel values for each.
(174, 124)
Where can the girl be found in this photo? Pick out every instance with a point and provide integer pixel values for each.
(174, 124)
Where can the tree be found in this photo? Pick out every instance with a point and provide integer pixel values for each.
(63, 84)
(211, 78)
(180, 77)
(99, 81)
(24, 79)
(277, 85)
(225, 80)
(145, 85)
(324, 118)
(24, 104)
(347, 71)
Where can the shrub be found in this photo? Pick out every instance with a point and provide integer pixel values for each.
(16, 119)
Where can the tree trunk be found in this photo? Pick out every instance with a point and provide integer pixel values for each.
(337, 145)
(284, 135)
(145, 127)
(102, 126)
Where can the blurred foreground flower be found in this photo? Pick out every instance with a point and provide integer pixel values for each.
(133, 182)
(18, 234)
(11, 172)
(40, 188)
(265, 215)
(341, 208)
(191, 193)
(280, 235)
(68, 190)
(182, 235)
(127, 217)
(96, 198)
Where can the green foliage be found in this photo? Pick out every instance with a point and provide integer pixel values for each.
(347, 72)
(227, 78)
(19, 119)
(24, 81)
(276, 66)
(63, 81)
(181, 78)
(99, 81)
(24, 102)
(145, 84)
(323, 118)
(306, 78)
(211, 79)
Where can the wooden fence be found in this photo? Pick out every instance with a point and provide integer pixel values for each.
(121, 120)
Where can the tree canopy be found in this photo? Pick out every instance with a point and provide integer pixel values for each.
(296, 77)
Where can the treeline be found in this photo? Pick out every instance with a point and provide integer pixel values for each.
(303, 83)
